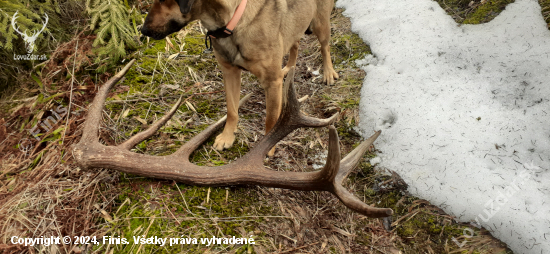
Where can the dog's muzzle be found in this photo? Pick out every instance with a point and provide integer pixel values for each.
(158, 34)
(152, 33)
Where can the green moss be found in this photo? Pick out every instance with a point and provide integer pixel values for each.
(425, 225)
(545, 9)
(208, 109)
(487, 11)
(155, 47)
(464, 13)
(353, 81)
(194, 44)
(141, 81)
(148, 64)
(346, 132)
(142, 211)
(348, 48)
(349, 103)
(236, 151)
(113, 106)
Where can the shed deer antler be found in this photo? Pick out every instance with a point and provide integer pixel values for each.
(247, 170)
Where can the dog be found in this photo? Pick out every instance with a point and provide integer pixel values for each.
(265, 32)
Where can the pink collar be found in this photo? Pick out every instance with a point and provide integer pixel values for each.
(237, 16)
(227, 30)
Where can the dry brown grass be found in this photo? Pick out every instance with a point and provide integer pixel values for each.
(42, 195)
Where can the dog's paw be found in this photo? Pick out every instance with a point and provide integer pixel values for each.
(329, 75)
(224, 141)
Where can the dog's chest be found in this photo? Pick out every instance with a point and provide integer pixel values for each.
(229, 51)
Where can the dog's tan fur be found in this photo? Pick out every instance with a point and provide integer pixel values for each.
(267, 30)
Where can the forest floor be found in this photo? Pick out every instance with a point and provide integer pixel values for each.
(43, 193)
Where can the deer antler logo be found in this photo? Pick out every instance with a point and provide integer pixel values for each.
(29, 39)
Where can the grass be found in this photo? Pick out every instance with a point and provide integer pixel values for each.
(474, 12)
(545, 8)
(483, 11)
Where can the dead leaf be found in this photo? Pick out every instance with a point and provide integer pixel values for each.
(323, 245)
(77, 250)
(125, 113)
(140, 120)
(30, 90)
(339, 244)
(106, 215)
(319, 140)
(39, 115)
(340, 231)
(173, 56)
(14, 110)
(173, 87)
(169, 43)
(190, 106)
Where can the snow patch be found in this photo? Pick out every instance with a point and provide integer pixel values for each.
(375, 160)
(462, 109)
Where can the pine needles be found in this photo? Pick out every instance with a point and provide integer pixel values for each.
(110, 19)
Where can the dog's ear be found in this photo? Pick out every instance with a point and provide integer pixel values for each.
(185, 5)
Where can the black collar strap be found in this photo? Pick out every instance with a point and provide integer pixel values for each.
(222, 32)
(227, 30)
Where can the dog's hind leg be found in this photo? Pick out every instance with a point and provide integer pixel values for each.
(232, 82)
(292, 57)
(321, 28)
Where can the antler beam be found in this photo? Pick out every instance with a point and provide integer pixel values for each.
(247, 170)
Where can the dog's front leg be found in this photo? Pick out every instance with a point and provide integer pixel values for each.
(232, 82)
(321, 28)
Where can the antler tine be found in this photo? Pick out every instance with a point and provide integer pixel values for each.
(186, 149)
(133, 141)
(332, 165)
(354, 157)
(291, 107)
(291, 118)
(335, 171)
(357, 205)
(91, 127)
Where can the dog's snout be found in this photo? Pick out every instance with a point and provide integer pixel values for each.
(153, 33)
(146, 31)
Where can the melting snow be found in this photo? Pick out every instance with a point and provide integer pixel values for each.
(464, 110)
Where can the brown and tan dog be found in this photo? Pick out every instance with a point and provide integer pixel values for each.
(267, 30)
